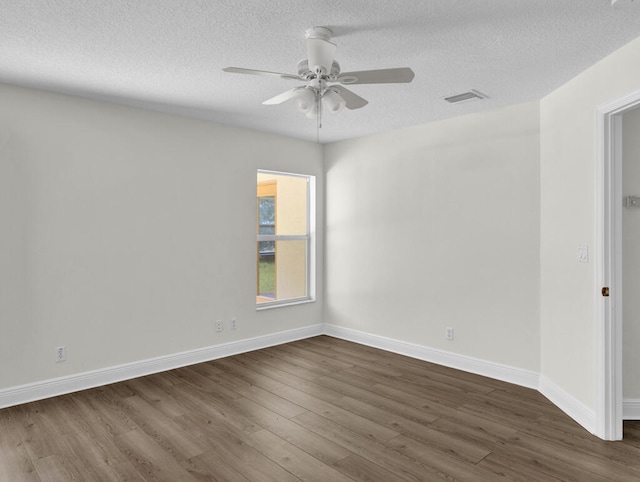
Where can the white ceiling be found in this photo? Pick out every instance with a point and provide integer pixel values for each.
(168, 55)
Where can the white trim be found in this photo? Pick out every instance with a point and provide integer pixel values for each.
(294, 302)
(485, 368)
(631, 409)
(309, 237)
(608, 265)
(82, 381)
(568, 404)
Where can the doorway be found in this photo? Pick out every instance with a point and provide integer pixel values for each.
(631, 264)
(609, 265)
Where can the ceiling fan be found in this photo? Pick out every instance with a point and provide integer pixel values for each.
(323, 80)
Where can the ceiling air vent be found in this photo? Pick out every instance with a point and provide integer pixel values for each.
(623, 3)
(467, 96)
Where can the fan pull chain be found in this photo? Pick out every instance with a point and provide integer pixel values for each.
(319, 117)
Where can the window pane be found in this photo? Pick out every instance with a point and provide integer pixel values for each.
(266, 248)
(291, 208)
(267, 215)
(282, 273)
(266, 272)
(291, 269)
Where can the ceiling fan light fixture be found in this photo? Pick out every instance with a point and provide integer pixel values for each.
(305, 100)
(312, 113)
(333, 101)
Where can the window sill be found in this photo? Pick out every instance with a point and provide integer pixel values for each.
(282, 304)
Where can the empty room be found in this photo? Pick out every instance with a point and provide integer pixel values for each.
(319, 240)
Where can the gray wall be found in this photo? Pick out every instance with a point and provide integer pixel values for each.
(127, 233)
(568, 220)
(438, 226)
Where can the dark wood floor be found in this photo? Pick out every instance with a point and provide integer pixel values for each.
(319, 409)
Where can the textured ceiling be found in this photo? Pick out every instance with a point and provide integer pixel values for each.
(167, 55)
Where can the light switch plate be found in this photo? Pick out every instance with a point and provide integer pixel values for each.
(632, 202)
(583, 254)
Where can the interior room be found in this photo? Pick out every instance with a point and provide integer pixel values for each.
(465, 235)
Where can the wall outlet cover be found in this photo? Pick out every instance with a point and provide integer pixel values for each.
(61, 354)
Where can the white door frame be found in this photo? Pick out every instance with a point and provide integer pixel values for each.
(608, 257)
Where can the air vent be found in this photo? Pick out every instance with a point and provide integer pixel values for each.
(621, 4)
(467, 96)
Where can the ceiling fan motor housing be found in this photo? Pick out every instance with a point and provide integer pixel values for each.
(305, 73)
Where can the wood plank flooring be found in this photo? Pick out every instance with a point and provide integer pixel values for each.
(320, 409)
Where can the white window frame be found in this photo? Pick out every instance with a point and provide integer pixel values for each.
(309, 237)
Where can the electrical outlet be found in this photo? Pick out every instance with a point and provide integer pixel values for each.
(219, 325)
(61, 354)
(449, 333)
(234, 323)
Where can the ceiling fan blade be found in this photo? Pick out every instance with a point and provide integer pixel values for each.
(320, 53)
(353, 101)
(285, 96)
(382, 76)
(264, 73)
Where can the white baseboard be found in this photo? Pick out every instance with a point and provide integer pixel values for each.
(485, 368)
(82, 381)
(631, 409)
(568, 404)
(565, 402)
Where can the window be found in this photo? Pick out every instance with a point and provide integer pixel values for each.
(284, 227)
